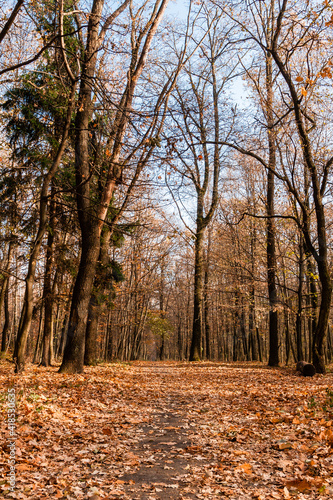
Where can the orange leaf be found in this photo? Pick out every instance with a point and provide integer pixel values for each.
(23, 467)
(326, 73)
(304, 92)
(299, 484)
(247, 468)
(327, 435)
(299, 79)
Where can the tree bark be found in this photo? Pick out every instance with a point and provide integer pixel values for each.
(195, 351)
(73, 359)
(90, 353)
(95, 308)
(299, 345)
(206, 300)
(4, 299)
(6, 325)
(306, 369)
(252, 304)
(271, 250)
(48, 289)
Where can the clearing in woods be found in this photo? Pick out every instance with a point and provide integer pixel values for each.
(170, 430)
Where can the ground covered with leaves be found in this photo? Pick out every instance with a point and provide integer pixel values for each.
(169, 431)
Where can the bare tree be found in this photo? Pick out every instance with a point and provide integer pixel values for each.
(292, 41)
(198, 119)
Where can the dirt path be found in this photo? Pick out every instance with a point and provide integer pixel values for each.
(164, 459)
(167, 455)
(159, 431)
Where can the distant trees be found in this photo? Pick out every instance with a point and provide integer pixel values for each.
(194, 154)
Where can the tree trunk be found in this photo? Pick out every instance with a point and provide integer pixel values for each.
(306, 369)
(96, 308)
(206, 299)
(5, 329)
(252, 302)
(207, 325)
(320, 333)
(73, 359)
(90, 353)
(299, 345)
(4, 298)
(328, 346)
(252, 329)
(271, 252)
(36, 358)
(48, 292)
(179, 339)
(259, 345)
(195, 351)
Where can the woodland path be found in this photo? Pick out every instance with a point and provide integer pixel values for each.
(166, 456)
(171, 430)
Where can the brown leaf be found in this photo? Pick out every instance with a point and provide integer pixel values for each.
(303, 485)
(107, 431)
(283, 445)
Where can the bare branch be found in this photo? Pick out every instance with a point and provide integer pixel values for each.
(11, 19)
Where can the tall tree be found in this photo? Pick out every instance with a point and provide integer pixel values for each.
(198, 126)
(293, 55)
(92, 215)
(26, 315)
(271, 245)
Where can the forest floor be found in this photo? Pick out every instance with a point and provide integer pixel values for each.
(168, 430)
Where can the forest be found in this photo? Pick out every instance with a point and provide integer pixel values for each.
(166, 181)
(166, 246)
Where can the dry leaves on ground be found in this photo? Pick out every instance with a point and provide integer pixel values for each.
(169, 430)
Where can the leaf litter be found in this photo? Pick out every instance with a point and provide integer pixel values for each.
(169, 430)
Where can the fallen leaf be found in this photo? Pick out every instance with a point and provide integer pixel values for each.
(247, 468)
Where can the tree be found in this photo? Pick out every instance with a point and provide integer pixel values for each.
(198, 119)
(34, 114)
(92, 215)
(293, 39)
